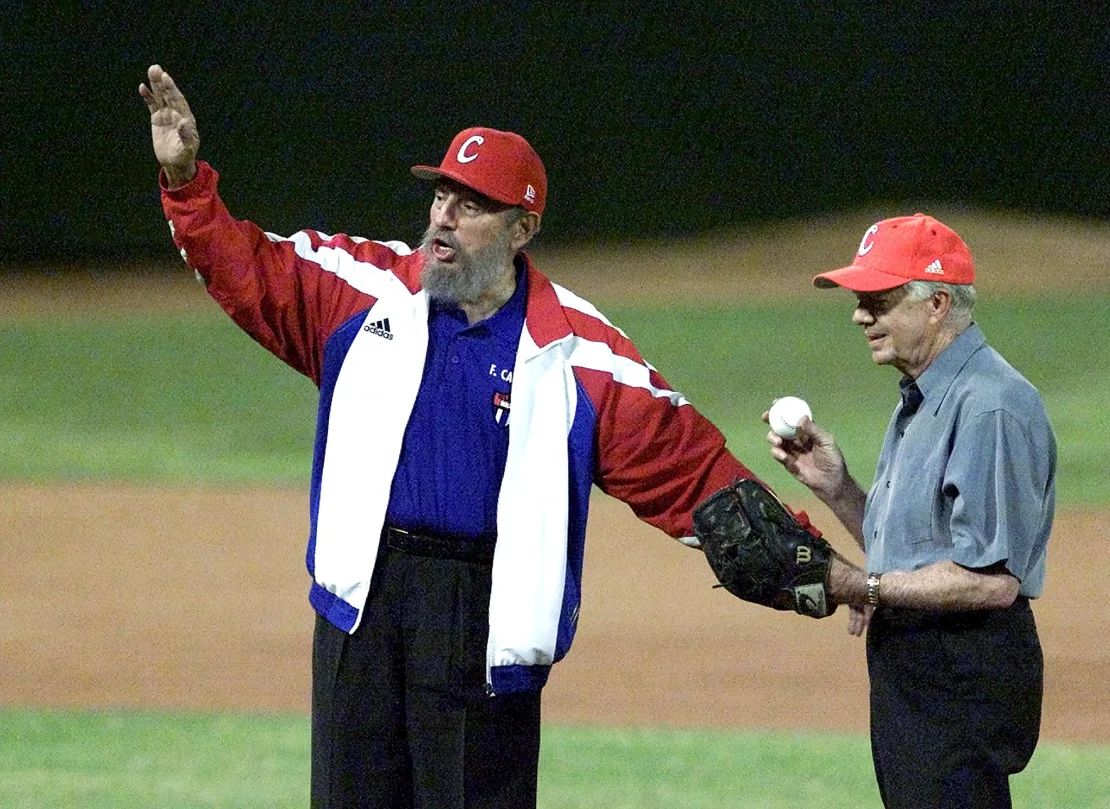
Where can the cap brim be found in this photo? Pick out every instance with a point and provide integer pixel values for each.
(858, 279)
(427, 172)
(436, 173)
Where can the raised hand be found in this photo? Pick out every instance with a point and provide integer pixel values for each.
(173, 128)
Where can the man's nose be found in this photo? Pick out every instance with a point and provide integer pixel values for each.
(861, 316)
(445, 214)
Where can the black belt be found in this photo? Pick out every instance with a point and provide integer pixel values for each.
(462, 549)
(906, 618)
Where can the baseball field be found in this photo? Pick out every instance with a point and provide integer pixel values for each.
(154, 628)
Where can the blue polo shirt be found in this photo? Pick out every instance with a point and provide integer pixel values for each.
(967, 471)
(453, 453)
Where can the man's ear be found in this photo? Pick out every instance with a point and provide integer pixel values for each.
(940, 303)
(524, 229)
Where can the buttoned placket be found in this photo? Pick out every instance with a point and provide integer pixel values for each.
(912, 397)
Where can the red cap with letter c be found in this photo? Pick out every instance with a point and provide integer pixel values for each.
(500, 165)
(906, 248)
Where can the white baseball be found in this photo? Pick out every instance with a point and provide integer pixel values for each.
(785, 414)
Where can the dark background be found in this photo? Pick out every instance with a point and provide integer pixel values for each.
(653, 119)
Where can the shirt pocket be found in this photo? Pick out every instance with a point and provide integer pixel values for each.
(914, 505)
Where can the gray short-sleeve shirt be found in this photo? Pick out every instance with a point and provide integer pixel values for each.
(970, 475)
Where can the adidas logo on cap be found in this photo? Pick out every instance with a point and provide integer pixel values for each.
(380, 328)
(934, 267)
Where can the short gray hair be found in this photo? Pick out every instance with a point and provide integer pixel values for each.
(962, 295)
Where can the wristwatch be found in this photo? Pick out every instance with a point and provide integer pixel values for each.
(873, 588)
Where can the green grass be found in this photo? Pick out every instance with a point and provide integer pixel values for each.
(97, 760)
(733, 361)
(192, 398)
(101, 760)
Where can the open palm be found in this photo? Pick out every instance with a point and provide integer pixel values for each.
(173, 128)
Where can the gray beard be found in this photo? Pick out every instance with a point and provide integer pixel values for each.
(469, 275)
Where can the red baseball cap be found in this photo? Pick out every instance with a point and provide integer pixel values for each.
(906, 248)
(500, 165)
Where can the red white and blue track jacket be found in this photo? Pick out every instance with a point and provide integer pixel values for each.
(587, 409)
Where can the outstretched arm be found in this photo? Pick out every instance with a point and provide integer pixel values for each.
(173, 128)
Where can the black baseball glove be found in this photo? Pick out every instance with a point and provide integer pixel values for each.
(759, 552)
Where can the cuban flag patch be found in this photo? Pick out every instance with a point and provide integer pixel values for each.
(501, 408)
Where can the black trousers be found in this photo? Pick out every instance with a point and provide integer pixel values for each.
(400, 716)
(955, 704)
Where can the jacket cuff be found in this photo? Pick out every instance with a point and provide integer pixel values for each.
(515, 679)
(202, 180)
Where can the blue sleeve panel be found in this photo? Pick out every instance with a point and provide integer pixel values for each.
(582, 451)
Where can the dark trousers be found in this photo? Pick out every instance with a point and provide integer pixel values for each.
(955, 704)
(400, 717)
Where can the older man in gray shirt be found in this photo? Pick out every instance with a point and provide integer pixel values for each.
(955, 527)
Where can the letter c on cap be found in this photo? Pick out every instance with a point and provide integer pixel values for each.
(462, 156)
(865, 245)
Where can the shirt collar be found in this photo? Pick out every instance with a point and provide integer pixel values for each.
(935, 381)
(911, 395)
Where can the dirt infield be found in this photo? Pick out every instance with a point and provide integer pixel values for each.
(195, 597)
